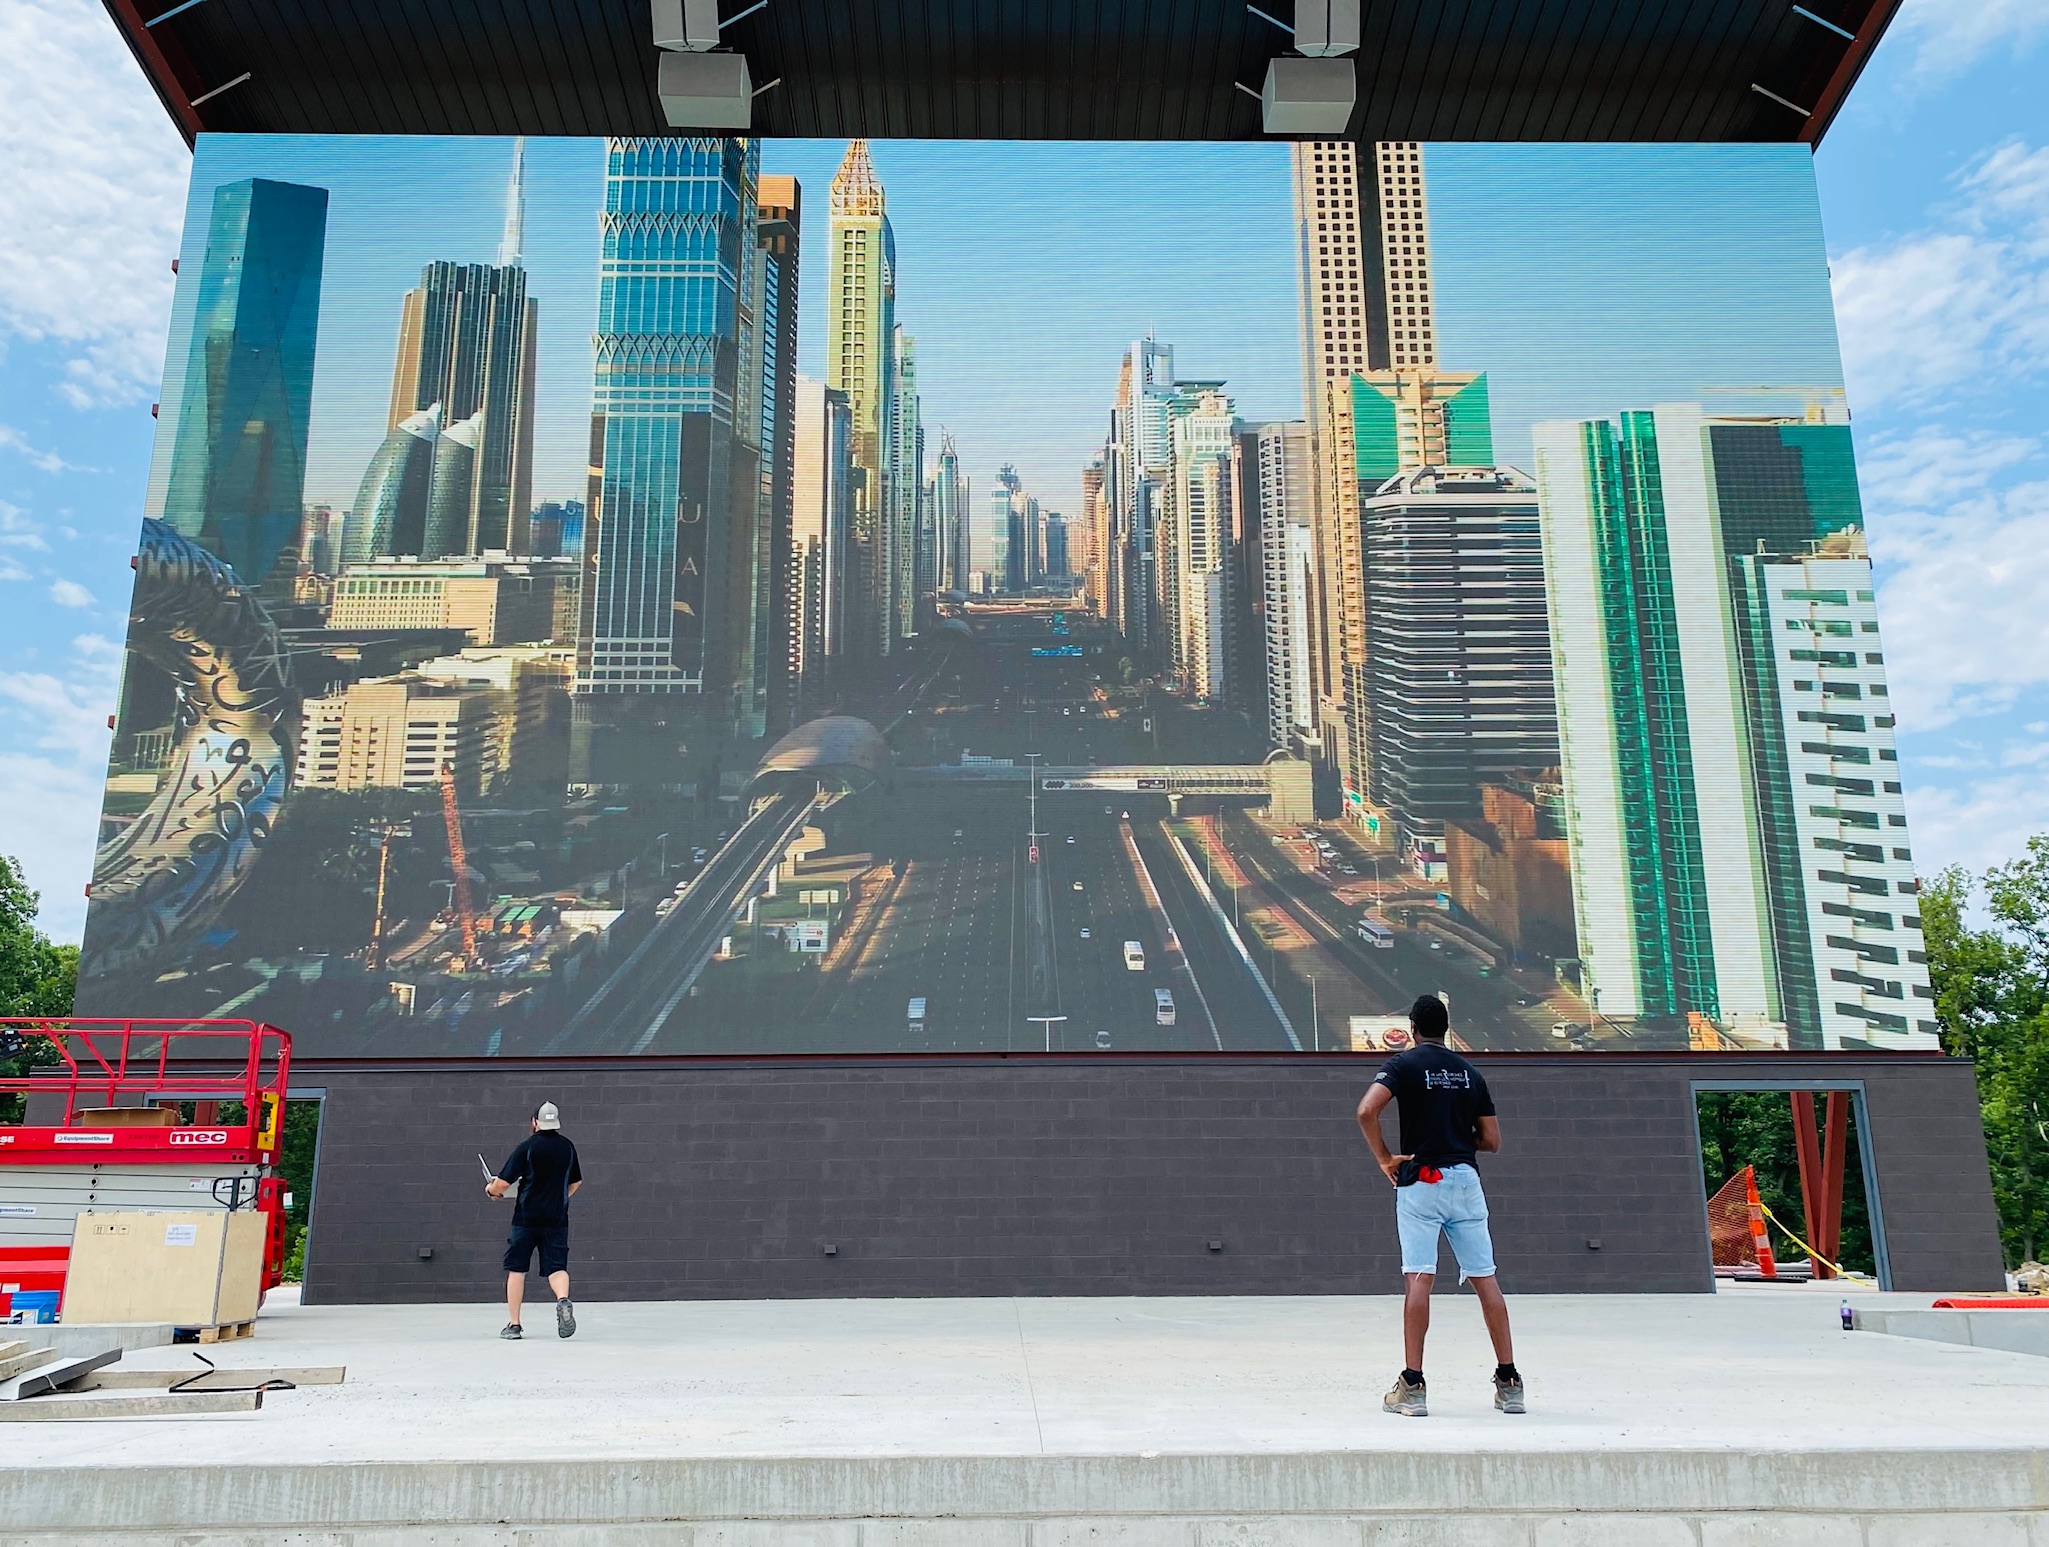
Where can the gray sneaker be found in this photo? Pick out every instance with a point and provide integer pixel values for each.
(565, 1319)
(511, 1332)
(1508, 1396)
(1406, 1401)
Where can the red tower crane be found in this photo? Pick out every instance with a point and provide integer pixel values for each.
(459, 896)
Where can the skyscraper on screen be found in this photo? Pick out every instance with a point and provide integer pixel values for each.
(951, 510)
(860, 360)
(1458, 670)
(661, 618)
(779, 208)
(1738, 832)
(1287, 579)
(237, 475)
(468, 339)
(821, 520)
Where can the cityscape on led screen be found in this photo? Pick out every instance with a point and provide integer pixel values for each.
(568, 618)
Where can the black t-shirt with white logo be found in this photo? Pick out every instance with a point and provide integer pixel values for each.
(1441, 1099)
(542, 1169)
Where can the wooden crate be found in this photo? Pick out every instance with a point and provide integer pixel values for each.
(192, 1268)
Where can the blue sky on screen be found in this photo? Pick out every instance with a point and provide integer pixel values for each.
(1934, 198)
(1673, 269)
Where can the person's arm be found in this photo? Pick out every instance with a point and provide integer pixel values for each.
(572, 1188)
(1371, 1105)
(1487, 1139)
(575, 1173)
(508, 1174)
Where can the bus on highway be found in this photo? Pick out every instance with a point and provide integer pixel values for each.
(1134, 956)
(1376, 934)
(1163, 1007)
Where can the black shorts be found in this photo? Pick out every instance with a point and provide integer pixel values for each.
(551, 1241)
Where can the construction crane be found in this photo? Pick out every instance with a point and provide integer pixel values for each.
(459, 894)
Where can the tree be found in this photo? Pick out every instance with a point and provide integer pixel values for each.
(1992, 997)
(36, 977)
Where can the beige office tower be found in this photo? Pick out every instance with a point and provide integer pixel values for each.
(860, 360)
(1377, 401)
(1332, 249)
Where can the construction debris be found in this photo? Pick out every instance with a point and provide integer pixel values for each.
(181, 1404)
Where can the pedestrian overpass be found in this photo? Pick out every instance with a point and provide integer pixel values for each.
(1281, 783)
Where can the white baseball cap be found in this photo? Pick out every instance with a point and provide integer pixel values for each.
(547, 1116)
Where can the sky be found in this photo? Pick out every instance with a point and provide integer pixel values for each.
(1933, 203)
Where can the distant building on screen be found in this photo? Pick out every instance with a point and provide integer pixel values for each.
(1195, 538)
(556, 529)
(468, 339)
(951, 517)
(390, 515)
(498, 599)
(821, 527)
(860, 361)
(1510, 865)
(1458, 647)
(1055, 528)
(1287, 580)
(779, 222)
(1737, 824)
(237, 475)
(664, 622)
(911, 561)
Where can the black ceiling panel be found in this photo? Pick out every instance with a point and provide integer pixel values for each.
(1012, 69)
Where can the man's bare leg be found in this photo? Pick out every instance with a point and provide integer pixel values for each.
(559, 1282)
(515, 1289)
(1494, 1311)
(1416, 1317)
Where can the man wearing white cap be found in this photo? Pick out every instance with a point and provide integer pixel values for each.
(546, 1171)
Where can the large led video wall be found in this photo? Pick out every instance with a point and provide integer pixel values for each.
(711, 595)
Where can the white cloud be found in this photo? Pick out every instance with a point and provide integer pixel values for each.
(18, 531)
(1977, 825)
(69, 593)
(13, 440)
(1949, 36)
(1925, 317)
(91, 201)
(53, 760)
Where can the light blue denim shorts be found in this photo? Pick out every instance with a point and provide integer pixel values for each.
(1455, 1206)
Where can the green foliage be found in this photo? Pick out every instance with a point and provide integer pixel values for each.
(1992, 996)
(36, 977)
(296, 1148)
(1741, 1128)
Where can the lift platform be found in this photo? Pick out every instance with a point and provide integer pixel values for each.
(136, 1114)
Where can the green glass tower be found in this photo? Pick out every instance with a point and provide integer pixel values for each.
(238, 462)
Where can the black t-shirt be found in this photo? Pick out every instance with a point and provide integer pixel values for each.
(544, 1168)
(1441, 1099)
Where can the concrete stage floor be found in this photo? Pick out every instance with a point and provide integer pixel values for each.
(1032, 1422)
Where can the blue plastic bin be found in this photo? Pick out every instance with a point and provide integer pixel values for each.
(33, 1305)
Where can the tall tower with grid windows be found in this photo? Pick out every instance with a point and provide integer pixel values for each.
(860, 361)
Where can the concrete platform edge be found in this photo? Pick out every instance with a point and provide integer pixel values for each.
(80, 1502)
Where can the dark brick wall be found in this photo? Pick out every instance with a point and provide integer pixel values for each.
(1078, 1175)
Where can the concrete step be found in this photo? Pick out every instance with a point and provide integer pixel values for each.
(1554, 1496)
(19, 1359)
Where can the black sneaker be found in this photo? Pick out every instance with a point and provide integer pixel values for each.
(511, 1333)
(565, 1319)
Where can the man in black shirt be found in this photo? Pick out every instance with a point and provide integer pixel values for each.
(1447, 1122)
(547, 1173)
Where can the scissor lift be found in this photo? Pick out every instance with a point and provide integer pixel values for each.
(138, 1114)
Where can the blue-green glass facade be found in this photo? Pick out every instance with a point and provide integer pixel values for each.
(1666, 874)
(662, 413)
(1469, 426)
(238, 461)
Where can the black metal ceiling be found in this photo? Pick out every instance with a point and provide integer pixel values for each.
(1010, 69)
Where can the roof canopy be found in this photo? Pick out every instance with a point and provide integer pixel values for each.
(1758, 70)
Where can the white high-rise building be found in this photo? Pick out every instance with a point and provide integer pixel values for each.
(1287, 576)
(1200, 487)
(1739, 853)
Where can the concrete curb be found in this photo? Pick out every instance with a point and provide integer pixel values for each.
(80, 1502)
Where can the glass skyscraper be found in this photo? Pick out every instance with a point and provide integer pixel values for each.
(237, 476)
(659, 513)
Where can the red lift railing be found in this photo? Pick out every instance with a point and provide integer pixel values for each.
(114, 1092)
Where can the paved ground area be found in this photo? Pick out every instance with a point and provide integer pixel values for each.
(1748, 1370)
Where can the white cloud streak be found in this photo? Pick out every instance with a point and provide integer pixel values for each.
(1950, 36)
(53, 729)
(91, 201)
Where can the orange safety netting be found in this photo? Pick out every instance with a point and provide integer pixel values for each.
(1736, 1227)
